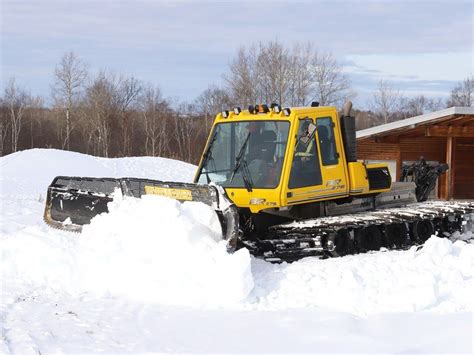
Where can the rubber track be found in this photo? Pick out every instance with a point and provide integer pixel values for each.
(393, 228)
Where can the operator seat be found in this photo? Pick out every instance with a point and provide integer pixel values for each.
(328, 153)
(263, 165)
(268, 145)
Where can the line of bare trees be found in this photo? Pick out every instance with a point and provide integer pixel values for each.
(389, 104)
(296, 76)
(107, 115)
(271, 72)
(114, 115)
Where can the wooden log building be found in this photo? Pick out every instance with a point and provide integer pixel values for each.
(445, 136)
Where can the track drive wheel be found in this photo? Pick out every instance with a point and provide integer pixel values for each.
(340, 243)
(369, 238)
(395, 234)
(421, 230)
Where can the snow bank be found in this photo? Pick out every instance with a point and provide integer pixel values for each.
(30, 172)
(155, 249)
(437, 277)
(152, 249)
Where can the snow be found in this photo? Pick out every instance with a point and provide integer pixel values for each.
(437, 278)
(155, 252)
(154, 276)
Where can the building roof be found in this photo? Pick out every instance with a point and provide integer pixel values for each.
(414, 122)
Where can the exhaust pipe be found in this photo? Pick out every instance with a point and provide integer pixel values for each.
(348, 130)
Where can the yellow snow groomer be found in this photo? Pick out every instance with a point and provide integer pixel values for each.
(285, 183)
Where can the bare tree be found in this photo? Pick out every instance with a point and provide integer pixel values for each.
(99, 98)
(331, 85)
(300, 77)
(125, 93)
(70, 75)
(242, 77)
(434, 104)
(418, 105)
(4, 125)
(185, 129)
(272, 69)
(414, 106)
(261, 73)
(211, 101)
(463, 93)
(155, 111)
(17, 100)
(385, 101)
(33, 112)
(270, 72)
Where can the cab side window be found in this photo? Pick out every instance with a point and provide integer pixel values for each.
(327, 142)
(305, 168)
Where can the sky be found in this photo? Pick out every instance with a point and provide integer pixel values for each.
(421, 47)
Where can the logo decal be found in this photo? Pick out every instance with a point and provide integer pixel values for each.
(177, 194)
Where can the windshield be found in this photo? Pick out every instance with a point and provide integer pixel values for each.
(261, 145)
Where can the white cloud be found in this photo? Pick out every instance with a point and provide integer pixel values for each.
(423, 66)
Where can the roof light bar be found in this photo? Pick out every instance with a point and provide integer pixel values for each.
(262, 109)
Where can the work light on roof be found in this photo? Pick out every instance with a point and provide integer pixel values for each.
(225, 114)
(262, 108)
(277, 108)
(237, 110)
(286, 111)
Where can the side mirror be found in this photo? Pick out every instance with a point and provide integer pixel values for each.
(308, 134)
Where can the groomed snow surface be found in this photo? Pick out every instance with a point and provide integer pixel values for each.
(153, 276)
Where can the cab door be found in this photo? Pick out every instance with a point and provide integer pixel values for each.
(317, 169)
(333, 164)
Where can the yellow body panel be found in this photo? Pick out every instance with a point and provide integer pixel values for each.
(359, 183)
(256, 200)
(338, 181)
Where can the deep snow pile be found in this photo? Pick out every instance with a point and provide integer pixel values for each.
(152, 249)
(438, 277)
(157, 250)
